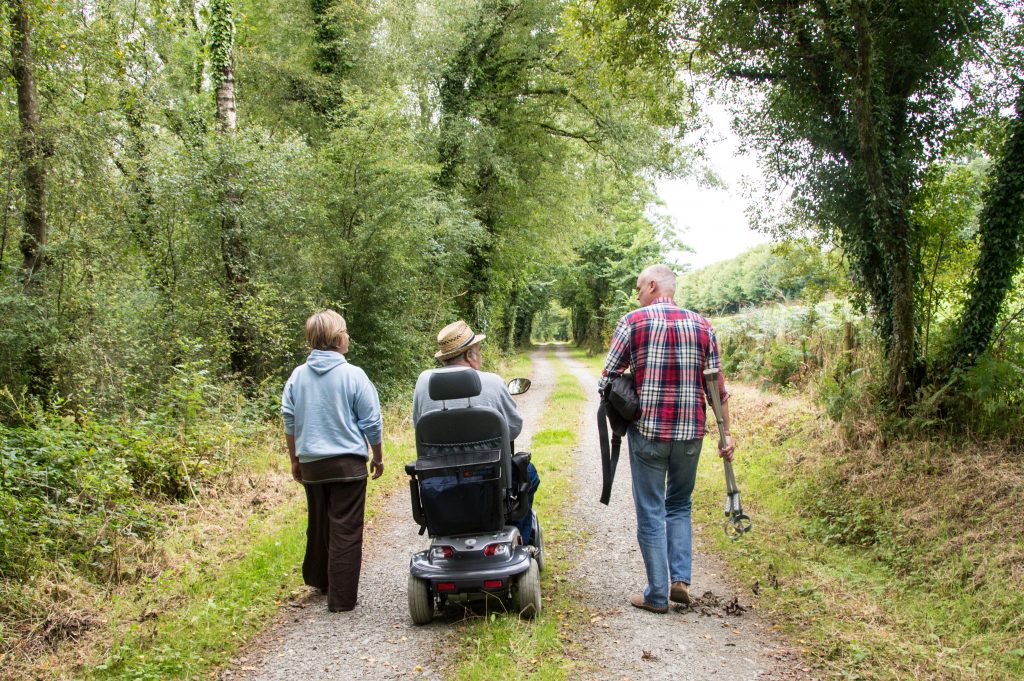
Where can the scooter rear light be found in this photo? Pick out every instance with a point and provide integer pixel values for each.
(501, 549)
(442, 552)
(446, 586)
(492, 583)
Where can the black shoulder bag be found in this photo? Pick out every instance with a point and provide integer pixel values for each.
(620, 406)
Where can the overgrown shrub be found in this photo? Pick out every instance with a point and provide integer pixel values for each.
(74, 483)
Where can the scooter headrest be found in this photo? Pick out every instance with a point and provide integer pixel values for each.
(453, 383)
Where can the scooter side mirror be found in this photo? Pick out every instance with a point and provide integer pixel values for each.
(518, 386)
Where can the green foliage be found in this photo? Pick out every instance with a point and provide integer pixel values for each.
(826, 346)
(222, 39)
(76, 487)
(768, 273)
(552, 323)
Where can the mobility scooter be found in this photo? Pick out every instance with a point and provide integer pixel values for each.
(467, 489)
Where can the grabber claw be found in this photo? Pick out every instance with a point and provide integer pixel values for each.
(737, 522)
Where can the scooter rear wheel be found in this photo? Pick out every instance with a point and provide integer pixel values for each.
(421, 601)
(527, 594)
(538, 541)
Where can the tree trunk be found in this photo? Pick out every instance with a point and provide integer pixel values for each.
(33, 153)
(226, 118)
(234, 247)
(891, 222)
(1001, 227)
(32, 149)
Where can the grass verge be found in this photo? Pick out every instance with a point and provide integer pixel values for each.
(220, 607)
(883, 563)
(502, 646)
(225, 566)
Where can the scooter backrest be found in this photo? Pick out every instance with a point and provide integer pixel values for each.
(453, 383)
(464, 464)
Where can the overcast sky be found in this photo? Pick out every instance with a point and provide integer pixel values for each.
(712, 220)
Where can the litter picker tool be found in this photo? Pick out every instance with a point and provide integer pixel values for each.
(736, 521)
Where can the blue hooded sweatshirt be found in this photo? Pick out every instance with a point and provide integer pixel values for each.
(331, 408)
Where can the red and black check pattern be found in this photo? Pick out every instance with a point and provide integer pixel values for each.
(668, 349)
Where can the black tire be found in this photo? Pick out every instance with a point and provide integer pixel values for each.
(538, 541)
(527, 596)
(421, 601)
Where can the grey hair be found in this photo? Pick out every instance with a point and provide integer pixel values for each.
(475, 349)
(663, 276)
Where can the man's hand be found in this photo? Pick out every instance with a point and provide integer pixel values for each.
(729, 452)
(296, 470)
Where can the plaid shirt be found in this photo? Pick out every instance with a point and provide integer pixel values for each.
(668, 349)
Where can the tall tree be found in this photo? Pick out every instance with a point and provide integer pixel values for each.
(852, 104)
(523, 113)
(32, 147)
(1001, 228)
(235, 251)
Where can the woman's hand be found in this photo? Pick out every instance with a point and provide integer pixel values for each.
(376, 461)
(296, 470)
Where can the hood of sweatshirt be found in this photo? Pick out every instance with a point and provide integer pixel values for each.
(322, 361)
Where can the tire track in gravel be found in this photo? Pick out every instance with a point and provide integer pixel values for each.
(622, 641)
(377, 640)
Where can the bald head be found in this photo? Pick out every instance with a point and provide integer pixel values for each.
(663, 278)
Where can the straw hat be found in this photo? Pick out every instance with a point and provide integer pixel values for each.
(455, 339)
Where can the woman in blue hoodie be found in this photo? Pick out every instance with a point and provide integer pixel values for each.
(331, 422)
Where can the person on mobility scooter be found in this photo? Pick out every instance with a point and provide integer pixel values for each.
(468, 490)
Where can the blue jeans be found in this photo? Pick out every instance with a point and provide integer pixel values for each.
(663, 527)
(525, 524)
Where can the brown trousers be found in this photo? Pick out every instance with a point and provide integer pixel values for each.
(334, 540)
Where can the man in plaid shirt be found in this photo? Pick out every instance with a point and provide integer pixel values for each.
(668, 349)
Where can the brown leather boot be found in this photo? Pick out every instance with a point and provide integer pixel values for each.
(637, 601)
(679, 593)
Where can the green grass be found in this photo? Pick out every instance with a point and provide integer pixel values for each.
(220, 609)
(593, 360)
(502, 646)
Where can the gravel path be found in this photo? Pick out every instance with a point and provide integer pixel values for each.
(624, 642)
(377, 640)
